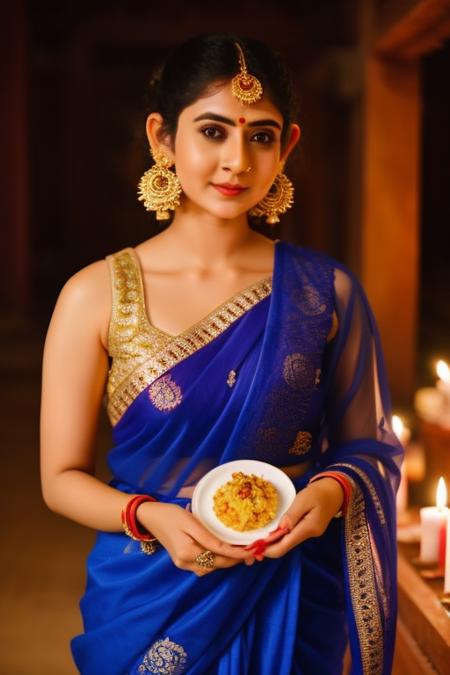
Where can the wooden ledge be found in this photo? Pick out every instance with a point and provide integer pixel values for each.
(422, 618)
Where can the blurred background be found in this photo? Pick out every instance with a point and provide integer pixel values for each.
(371, 177)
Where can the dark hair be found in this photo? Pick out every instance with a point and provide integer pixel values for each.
(201, 61)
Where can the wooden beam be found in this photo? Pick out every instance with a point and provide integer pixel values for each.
(390, 212)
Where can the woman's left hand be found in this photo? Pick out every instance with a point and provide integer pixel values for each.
(308, 516)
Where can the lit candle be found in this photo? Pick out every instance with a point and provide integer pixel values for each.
(433, 521)
(447, 560)
(403, 434)
(433, 403)
(443, 372)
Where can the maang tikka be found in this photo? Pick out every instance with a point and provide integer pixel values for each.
(248, 89)
(160, 188)
(245, 87)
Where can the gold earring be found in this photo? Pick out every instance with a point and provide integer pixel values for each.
(278, 200)
(160, 188)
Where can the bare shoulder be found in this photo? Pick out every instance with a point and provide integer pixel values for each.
(156, 251)
(92, 279)
(85, 299)
(342, 282)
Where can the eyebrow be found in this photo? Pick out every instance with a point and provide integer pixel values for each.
(226, 120)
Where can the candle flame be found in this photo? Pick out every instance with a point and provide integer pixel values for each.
(443, 371)
(441, 494)
(398, 426)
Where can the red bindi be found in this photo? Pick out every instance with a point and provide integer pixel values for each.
(242, 120)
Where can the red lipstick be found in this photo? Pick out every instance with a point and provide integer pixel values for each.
(229, 189)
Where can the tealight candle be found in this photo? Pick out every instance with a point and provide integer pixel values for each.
(433, 522)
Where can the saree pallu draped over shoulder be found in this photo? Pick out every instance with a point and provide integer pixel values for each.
(255, 379)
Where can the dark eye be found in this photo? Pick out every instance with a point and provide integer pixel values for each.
(213, 133)
(263, 137)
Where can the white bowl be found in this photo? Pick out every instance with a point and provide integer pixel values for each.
(203, 504)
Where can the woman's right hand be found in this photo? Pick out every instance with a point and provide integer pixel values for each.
(184, 537)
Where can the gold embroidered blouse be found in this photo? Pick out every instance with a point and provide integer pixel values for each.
(140, 352)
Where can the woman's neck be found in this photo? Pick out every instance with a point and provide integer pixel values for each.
(208, 242)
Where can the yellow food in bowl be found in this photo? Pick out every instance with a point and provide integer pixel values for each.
(247, 502)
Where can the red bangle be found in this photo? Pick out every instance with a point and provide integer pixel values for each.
(343, 482)
(130, 524)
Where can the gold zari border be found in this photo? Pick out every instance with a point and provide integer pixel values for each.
(363, 588)
(382, 518)
(180, 347)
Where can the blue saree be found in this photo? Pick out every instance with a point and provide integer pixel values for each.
(255, 379)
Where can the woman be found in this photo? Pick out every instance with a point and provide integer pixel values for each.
(224, 345)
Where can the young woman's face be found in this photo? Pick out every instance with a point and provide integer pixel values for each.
(221, 142)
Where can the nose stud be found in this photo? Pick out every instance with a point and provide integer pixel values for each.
(249, 168)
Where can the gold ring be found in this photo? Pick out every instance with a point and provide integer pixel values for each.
(206, 559)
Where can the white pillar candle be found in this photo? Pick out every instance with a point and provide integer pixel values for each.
(447, 559)
(433, 519)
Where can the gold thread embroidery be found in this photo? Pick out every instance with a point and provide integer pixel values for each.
(302, 443)
(164, 657)
(129, 340)
(379, 574)
(381, 516)
(231, 379)
(165, 393)
(141, 354)
(362, 584)
(298, 371)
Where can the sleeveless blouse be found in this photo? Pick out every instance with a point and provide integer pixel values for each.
(141, 352)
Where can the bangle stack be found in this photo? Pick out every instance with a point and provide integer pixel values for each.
(343, 482)
(133, 528)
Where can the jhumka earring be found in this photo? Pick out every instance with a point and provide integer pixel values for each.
(278, 200)
(160, 188)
